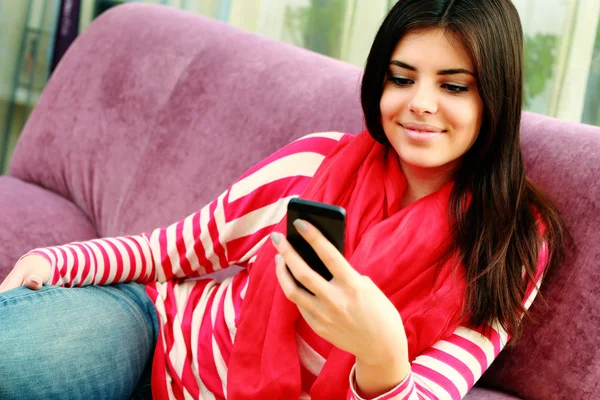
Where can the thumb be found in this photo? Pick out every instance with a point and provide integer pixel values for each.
(33, 282)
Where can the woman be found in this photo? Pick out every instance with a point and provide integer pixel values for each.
(446, 244)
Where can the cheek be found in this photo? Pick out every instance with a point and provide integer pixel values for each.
(389, 105)
(476, 119)
(467, 120)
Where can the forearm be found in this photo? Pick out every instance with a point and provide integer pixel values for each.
(177, 251)
(98, 262)
(227, 231)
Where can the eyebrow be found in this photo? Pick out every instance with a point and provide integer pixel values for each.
(453, 71)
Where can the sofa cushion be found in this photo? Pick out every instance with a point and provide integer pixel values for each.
(478, 393)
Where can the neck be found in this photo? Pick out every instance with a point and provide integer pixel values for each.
(422, 182)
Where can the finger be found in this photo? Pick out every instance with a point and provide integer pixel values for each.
(293, 292)
(299, 268)
(12, 281)
(33, 282)
(335, 261)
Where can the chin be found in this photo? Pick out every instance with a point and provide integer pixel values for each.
(424, 164)
(423, 159)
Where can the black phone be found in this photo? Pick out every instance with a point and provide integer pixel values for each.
(327, 218)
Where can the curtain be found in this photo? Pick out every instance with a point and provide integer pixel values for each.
(27, 30)
(591, 110)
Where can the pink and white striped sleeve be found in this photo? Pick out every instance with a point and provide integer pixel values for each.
(227, 231)
(450, 368)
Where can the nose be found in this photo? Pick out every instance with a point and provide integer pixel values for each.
(424, 100)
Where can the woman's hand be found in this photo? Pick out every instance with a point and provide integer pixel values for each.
(32, 271)
(349, 311)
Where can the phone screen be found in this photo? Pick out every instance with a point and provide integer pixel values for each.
(329, 220)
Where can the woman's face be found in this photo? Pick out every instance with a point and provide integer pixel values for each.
(431, 110)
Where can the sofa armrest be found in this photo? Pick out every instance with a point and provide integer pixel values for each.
(34, 217)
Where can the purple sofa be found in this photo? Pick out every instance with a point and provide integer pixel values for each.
(154, 111)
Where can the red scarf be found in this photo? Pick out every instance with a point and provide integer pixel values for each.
(397, 248)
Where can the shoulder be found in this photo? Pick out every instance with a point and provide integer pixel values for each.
(308, 151)
(320, 142)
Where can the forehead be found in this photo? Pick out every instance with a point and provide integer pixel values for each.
(432, 47)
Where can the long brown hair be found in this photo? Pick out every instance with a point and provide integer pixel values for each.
(495, 233)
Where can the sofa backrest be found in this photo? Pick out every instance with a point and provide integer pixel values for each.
(559, 356)
(153, 112)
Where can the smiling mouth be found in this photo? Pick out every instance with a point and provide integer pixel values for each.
(421, 133)
(422, 128)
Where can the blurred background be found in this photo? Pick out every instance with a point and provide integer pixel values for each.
(562, 45)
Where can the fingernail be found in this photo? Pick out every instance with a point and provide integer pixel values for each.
(300, 225)
(276, 237)
(35, 280)
(278, 259)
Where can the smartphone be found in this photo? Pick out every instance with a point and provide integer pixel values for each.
(327, 218)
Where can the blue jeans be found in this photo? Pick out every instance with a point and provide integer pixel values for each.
(95, 342)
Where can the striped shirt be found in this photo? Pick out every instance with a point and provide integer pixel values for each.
(198, 314)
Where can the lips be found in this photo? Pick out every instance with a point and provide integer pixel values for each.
(421, 133)
(421, 128)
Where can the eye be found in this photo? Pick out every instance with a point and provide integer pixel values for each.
(401, 82)
(455, 88)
